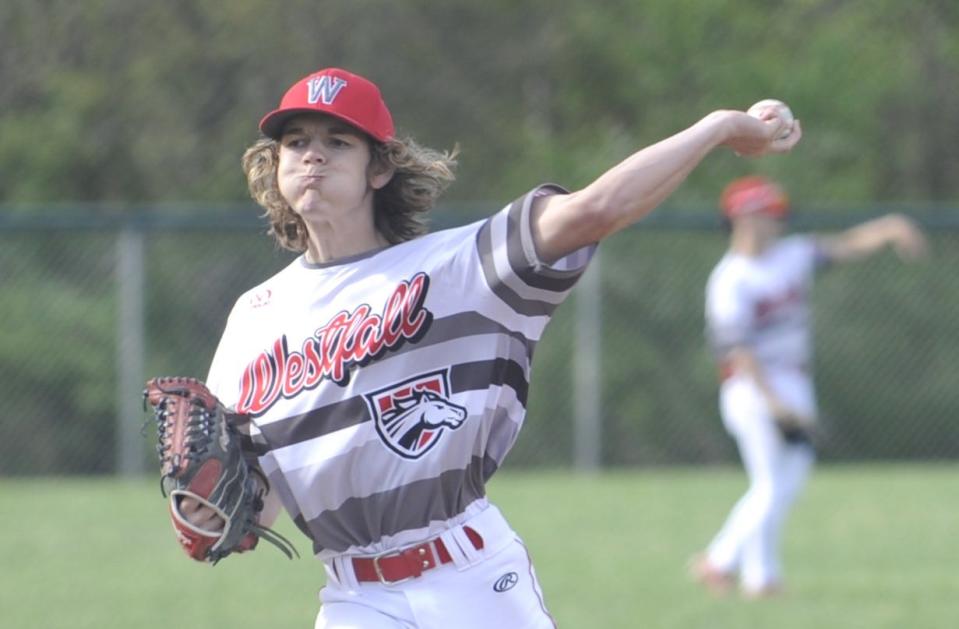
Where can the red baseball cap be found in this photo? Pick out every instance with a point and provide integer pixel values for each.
(754, 195)
(339, 93)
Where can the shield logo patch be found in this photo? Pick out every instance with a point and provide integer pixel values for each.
(411, 416)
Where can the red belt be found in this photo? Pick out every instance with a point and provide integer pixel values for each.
(727, 370)
(408, 563)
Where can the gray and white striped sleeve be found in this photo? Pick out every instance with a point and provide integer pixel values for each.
(513, 269)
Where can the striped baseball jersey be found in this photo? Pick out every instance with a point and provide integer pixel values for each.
(386, 388)
(763, 302)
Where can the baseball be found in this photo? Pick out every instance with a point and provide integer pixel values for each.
(781, 109)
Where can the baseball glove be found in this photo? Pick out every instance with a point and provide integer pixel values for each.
(201, 457)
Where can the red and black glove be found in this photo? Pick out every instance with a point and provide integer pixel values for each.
(201, 458)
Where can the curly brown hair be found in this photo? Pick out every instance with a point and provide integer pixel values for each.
(400, 207)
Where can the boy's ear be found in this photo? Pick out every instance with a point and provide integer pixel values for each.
(379, 174)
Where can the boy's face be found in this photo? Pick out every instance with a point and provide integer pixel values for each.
(763, 226)
(324, 168)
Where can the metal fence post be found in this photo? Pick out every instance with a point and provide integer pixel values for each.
(130, 349)
(587, 359)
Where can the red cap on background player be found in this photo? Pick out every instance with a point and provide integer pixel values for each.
(339, 93)
(754, 195)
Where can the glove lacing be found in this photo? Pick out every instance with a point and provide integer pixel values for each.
(198, 436)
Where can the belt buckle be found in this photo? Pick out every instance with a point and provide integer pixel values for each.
(379, 571)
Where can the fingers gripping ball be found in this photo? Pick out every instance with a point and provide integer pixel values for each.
(201, 458)
(770, 107)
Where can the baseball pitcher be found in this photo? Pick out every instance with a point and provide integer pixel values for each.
(380, 380)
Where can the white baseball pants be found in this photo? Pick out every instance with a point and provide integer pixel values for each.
(493, 587)
(749, 542)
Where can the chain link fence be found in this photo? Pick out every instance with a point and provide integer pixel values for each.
(93, 303)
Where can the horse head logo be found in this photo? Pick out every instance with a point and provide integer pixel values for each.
(411, 417)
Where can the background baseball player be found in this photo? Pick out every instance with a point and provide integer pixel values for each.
(758, 321)
(385, 372)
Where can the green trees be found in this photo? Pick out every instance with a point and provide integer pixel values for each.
(138, 101)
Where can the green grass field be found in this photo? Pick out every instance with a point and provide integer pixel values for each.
(867, 546)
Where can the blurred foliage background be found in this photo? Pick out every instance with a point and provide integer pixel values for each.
(130, 116)
(137, 100)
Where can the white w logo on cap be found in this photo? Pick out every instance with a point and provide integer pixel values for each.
(324, 88)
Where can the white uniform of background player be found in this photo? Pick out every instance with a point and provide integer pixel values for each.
(385, 373)
(759, 323)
